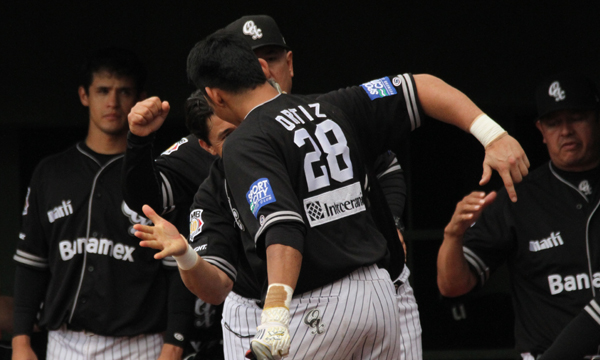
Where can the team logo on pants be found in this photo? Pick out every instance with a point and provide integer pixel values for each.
(313, 320)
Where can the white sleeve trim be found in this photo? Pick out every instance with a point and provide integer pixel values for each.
(483, 271)
(408, 88)
(593, 310)
(30, 259)
(169, 261)
(279, 216)
(222, 264)
(167, 193)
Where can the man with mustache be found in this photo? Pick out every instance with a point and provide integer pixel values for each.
(549, 237)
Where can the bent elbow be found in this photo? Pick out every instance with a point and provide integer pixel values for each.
(452, 288)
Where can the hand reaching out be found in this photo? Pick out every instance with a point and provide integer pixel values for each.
(467, 212)
(163, 236)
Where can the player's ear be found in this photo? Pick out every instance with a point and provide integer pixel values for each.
(207, 147)
(83, 96)
(215, 96)
(289, 58)
(538, 125)
(265, 67)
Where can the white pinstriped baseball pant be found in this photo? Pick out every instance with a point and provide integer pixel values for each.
(241, 316)
(65, 344)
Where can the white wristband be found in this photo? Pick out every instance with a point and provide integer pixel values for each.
(485, 129)
(188, 259)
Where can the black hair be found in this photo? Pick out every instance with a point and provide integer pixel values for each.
(197, 113)
(224, 60)
(114, 60)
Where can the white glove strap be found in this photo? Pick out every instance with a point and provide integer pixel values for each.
(188, 259)
(485, 129)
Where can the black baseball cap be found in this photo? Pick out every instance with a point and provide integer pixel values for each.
(258, 30)
(566, 91)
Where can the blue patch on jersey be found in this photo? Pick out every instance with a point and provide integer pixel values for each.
(259, 195)
(379, 88)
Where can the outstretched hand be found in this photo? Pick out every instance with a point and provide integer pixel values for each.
(507, 157)
(147, 116)
(163, 236)
(467, 212)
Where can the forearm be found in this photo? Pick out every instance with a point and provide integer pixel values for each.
(141, 180)
(30, 288)
(207, 281)
(180, 312)
(445, 103)
(454, 277)
(283, 265)
(581, 337)
(6, 313)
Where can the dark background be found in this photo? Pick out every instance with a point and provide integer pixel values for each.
(494, 51)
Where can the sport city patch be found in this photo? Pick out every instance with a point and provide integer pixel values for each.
(195, 223)
(379, 88)
(259, 195)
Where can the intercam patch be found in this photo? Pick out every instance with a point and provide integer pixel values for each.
(195, 223)
(379, 88)
(259, 195)
(175, 146)
(334, 205)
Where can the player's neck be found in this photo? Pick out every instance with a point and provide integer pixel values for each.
(107, 144)
(255, 97)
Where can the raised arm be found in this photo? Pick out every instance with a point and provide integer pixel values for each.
(142, 182)
(203, 279)
(454, 277)
(502, 152)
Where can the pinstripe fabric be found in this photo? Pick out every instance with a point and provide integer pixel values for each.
(65, 344)
(410, 325)
(353, 318)
(359, 317)
(241, 316)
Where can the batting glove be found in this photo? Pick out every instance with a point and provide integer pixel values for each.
(272, 339)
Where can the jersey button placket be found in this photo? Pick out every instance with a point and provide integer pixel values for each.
(578, 206)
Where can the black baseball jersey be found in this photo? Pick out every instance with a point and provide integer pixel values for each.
(216, 232)
(168, 184)
(549, 240)
(297, 160)
(78, 229)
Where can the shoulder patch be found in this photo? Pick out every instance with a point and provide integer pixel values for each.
(379, 88)
(195, 223)
(175, 146)
(259, 195)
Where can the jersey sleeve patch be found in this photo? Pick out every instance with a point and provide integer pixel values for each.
(195, 223)
(379, 88)
(175, 146)
(259, 195)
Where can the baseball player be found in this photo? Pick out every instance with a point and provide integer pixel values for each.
(168, 184)
(331, 236)
(547, 238)
(102, 296)
(174, 171)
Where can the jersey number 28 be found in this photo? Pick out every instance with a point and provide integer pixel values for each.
(340, 147)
